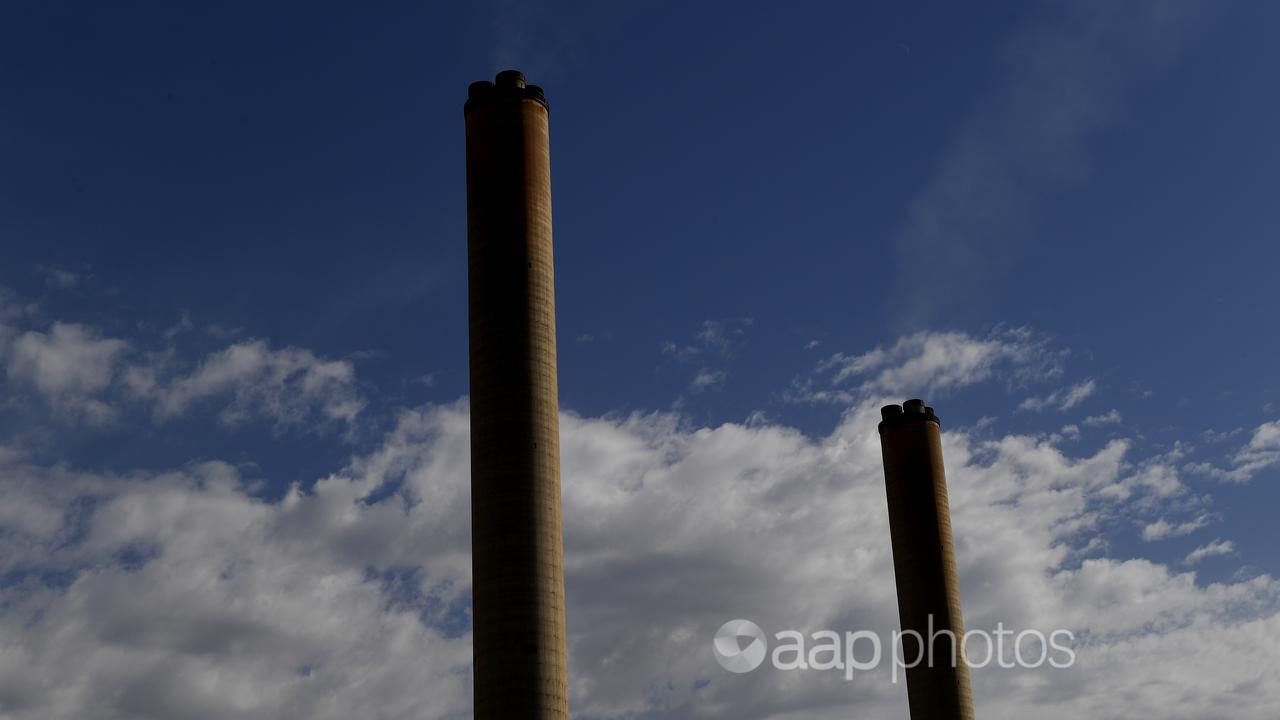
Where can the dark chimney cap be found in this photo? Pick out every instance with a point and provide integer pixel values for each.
(510, 84)
(911, 411)
(510, 79)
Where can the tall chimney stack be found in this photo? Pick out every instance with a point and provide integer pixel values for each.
(518, 604)
(924, 563)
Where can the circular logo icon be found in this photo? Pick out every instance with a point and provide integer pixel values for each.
(740, 646)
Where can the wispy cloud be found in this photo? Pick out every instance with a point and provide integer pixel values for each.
(1216, 436)
(1261, 452)
(1111, 417)
(929, 363)
(707, 379)
(716, 342)
(1063, 399)
(59, 278)
(1213, 549)
(715, 337)
(1162, 529)
(1067, 72)
(545, 39)
(285, 385)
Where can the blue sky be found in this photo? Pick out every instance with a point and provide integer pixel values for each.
(234, 242)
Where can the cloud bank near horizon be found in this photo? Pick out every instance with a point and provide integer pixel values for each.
(184, 594)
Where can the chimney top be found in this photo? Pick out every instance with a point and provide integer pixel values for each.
(510, 79)
(910, 411)
(509, 84)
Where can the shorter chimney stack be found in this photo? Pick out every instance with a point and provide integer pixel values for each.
(924, 563)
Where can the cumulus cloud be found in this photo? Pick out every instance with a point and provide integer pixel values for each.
(178, 595)
(181, 594)
(69, 365)
(87, 377)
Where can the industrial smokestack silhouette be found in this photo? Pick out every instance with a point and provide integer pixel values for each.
(517, 558)
(924, 563)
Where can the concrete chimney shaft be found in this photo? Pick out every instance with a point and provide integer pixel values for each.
(924, 562)
(518, 603)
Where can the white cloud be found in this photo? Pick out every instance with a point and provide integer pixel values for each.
(182, 594)
(1213, 549)
(86, 377)
(707, 379)
(59, 278)
(1111, 417)
(69, 359)
(1260, 453)
(1076, 394)
(286, 386)
(69, 365)
(716, 338)
(716, 341)
(1215, 436)
(1065, 399)
(187, 597)
(222, 332)
(183, 325)
(1162, 529)
(930, 364)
